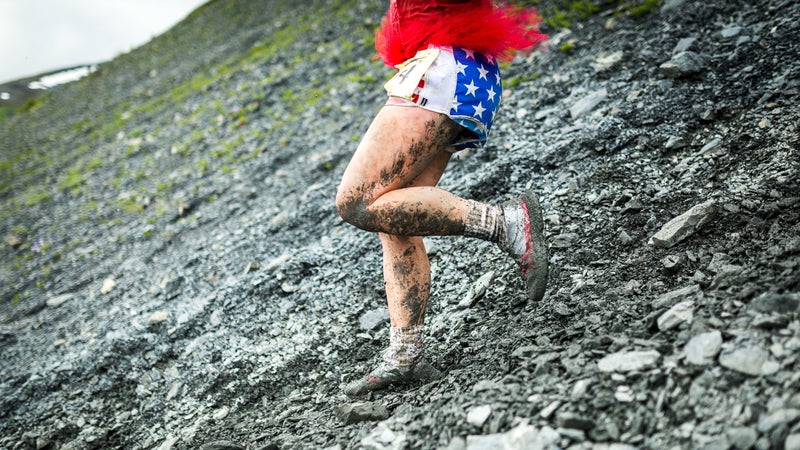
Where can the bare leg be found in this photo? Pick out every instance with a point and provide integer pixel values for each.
(376, 193)
(406, 269)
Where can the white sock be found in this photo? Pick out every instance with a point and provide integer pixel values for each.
(485, 221)
(405, 346)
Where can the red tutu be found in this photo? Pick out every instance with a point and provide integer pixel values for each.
(412, 25)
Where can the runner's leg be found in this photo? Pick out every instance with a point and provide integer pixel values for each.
(375, 193)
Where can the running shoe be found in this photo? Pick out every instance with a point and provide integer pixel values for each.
(525, 242)
(386, 375)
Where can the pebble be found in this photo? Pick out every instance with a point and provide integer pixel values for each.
(221, 413)
(684, 225)
(792, 442)
(780, 417)
(575, 421)
(59, 300)
(741, 438)
(672, 297)
(478, 415)
(372, 318)
(776, 303)
(158, 317)
(682, 312)
(108, 286)
(383, 438)
(588, 103)
(477, 290)
(523, 436)
(628, 361)
(222, 445)
(350, 413)
(683, 64)
(703, 348)
(749, 359)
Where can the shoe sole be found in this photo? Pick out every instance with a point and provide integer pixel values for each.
(535, 260)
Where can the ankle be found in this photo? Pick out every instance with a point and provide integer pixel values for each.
(406, 346)
(485, 221)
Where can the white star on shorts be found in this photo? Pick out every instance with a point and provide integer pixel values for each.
(479, 109)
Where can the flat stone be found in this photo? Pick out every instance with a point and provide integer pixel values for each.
(522, 436)
(350, 413)
(588, 103)
(748, 359)
(680, 313)
(383, 438)
(372, 318)
(792, 442)
(574, 421)
(776, 303)
(157, 317)
(628, 361)
(59, 300)
(703, 348)
(741, 438)
(683, 64)
(684, 225)
(673, 297)
(683, 45)
(780, 417)
(222, 445)
(477, 290)
(478, 415)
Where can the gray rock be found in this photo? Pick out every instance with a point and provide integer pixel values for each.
(780, 417)
(792, 442)
(749, 359)
(477, 290)
(680, 313)
(574, 421)
(222, 445)
(59, 300)
(372, 318)
(684, 225)
(628, 361)
(588, 103)
(521, 437)
(478, 415)
(383, 438)
(685, 293)
(350, 413)
(683, 45)
(703, 348)
(730, 32)
(776, 303)
(683, 64)
(741, 438)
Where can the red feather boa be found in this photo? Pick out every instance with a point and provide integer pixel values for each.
(412, 25)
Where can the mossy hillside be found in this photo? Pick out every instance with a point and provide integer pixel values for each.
(134, 147)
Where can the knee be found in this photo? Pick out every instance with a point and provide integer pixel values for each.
(352, 208)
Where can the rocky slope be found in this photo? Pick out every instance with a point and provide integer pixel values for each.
(174, 273)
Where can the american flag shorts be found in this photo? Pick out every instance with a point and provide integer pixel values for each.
(464, 85)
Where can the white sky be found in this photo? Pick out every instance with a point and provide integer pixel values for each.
(42, 35)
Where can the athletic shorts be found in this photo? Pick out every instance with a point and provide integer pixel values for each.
(458, 82)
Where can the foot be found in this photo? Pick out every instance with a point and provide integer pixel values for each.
(525, 242)
(386, 375)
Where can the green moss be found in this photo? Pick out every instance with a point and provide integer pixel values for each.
(567, 46)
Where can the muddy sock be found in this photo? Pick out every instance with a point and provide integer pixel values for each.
(485, 221)
(405, 346)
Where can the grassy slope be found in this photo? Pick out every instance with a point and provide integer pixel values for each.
(122, 150)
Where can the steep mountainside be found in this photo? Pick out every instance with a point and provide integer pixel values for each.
(174, 273)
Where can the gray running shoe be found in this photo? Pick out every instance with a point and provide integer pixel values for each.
(525, 241)
(386, 375)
